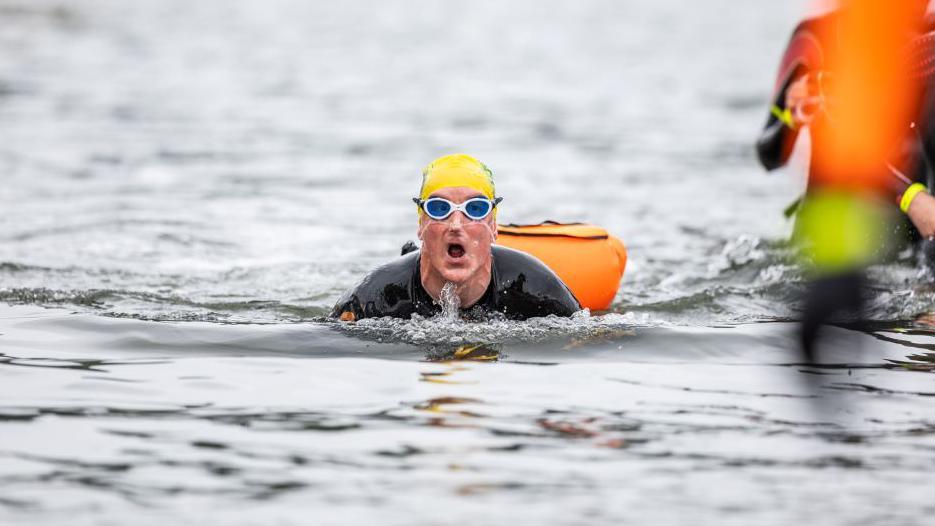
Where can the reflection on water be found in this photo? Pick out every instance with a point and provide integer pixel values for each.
(474, 352)
(600, 428)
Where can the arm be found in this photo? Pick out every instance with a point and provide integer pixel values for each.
(915, 200)
(922, 214)
(803, 56)
(915, 154)
(348, 307)
(774, 145)
(796, 106)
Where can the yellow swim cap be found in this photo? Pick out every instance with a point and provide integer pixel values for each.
(456, 170)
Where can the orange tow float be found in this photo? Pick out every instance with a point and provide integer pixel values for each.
(587, 258)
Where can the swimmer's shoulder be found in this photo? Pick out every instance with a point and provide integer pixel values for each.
(528, 288)
(385, 291)
(513, 264)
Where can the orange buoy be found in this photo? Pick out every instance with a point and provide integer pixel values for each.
(587, 258)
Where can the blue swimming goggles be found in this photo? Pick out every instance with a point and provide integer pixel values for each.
(475, 208)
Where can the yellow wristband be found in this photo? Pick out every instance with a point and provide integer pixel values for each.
(911, 194)
(784, 115)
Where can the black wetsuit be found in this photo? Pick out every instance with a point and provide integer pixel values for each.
(520, 287)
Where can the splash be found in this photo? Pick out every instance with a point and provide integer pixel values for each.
(445, 332)
(450, 303)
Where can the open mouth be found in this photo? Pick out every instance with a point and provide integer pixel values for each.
(455, 250)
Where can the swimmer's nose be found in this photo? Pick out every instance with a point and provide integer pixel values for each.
(455, 220)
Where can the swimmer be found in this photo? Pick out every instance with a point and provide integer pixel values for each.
(801, 101)
(458, 263)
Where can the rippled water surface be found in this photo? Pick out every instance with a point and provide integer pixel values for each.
(187, 187)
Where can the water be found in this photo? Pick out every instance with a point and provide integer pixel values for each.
(450, 302)
(188, 188)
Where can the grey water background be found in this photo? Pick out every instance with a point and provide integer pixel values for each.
(187, 187)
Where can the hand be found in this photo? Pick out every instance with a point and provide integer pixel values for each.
(922, 214)
(803, 98)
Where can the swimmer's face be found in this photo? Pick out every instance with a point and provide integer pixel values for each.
(458, 248)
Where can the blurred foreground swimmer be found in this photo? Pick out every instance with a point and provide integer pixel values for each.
(458, 266)
(804, 97)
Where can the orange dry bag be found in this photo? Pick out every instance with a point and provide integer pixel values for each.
(588, 259)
